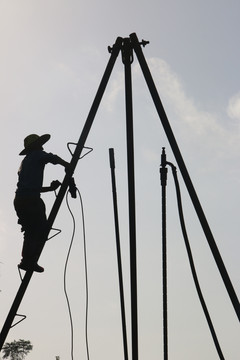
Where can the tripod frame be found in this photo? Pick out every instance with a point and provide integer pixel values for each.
(126, 46)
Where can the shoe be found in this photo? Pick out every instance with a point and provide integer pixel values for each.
(38, 268)
(23, 266)
(32, 267)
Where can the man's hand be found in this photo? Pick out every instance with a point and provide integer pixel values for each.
(67, 167)
(54, 185)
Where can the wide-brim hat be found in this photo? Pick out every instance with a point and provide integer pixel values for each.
(32, 141)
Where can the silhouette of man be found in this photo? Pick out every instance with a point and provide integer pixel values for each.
(28, 204)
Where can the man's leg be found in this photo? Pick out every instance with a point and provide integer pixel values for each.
(32, 217)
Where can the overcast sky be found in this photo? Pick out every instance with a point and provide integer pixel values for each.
(53, 56)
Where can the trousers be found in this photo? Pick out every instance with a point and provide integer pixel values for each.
(31, 212)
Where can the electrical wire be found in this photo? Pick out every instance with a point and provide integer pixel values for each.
(192, 265)
(65, 277)
(86, 275)
(86, 272)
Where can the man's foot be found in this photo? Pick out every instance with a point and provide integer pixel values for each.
(32, 267)
(38, 268)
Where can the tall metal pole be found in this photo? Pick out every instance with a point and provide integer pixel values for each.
(119, 257)
(185, 175)
(127, 57)
(163, 178)
(24, 284)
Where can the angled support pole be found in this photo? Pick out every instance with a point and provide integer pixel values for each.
(185, 174)
(25, 282)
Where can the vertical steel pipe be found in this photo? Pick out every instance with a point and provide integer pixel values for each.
(127, 61)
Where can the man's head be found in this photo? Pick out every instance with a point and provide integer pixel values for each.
(33, 141)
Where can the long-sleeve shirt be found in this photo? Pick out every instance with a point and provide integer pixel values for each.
(30, 173)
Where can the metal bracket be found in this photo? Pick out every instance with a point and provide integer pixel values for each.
(18, 322)
(85, 147)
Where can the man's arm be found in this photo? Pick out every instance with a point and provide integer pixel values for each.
(55, 160)
(53, 186)
(63, 163)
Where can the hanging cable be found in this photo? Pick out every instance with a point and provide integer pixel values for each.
(65, 276)
(73, 190)
(192, 265)
(86, 273)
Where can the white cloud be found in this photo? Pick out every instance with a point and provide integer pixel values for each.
(204, 126)
(194, 125)
(233, 108)
(173, 91)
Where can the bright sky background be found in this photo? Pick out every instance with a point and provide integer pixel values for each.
(53, 55)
